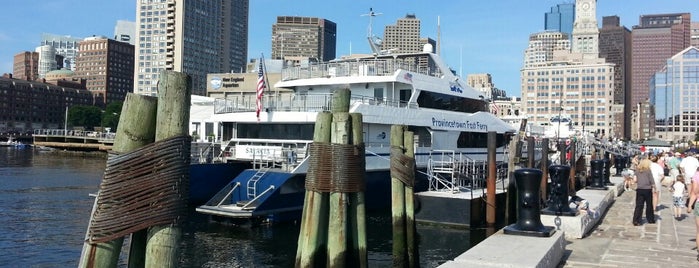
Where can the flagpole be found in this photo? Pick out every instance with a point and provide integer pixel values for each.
(264, 67)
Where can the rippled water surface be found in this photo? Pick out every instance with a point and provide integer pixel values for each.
(45, 208)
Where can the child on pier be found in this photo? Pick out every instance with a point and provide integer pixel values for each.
(679, 190)
(628, 179)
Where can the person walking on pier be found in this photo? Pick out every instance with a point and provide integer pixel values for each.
(644, 193)
(678, 189)
(688, 166)
(658, 175)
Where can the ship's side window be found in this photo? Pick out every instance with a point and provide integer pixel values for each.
(440, 101)
(478, 140)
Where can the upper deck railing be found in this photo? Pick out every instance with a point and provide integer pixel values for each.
(297, 103)
(363, 67)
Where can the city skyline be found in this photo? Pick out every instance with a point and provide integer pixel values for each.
(476, 37)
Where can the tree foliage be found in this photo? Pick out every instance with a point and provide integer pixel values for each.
(84, 116)
(90, 117)
(110, 118)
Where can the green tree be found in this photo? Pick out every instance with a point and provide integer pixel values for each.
(84, 116)
(110, 118)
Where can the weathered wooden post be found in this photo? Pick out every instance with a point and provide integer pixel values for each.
(136, 129)
(410, 228)
(573, 164)
(544, 168)
(314, 221)
(338, 225)
(334, 212)
(174, 101)
(357, 206)
(531, 146)
(398, 203)
(515, 156)
(490, 183)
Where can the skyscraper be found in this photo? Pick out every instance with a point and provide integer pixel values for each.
(194, 37)
(125, 31)
(107, 66)
(64, 45)
(560, 19)
(653, 41)
(47, 59)
(615, 47)
(304, 37)
(26, 66)
(404, 37)
(542, 47)
(674, 91)
(695, 34)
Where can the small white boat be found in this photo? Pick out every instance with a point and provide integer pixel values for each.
(12, 143)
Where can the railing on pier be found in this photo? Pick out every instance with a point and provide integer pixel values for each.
(287, 102)
(97, 135)
(456, 173)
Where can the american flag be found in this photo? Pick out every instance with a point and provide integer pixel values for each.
(260, 89)
(494, 108)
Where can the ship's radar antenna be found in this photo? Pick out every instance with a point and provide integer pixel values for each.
(374, 42)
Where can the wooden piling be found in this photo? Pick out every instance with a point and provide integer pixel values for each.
(337, 235)
(410, 228)
(515, 155)
(174, 101)
(314, 221)
(398, 205)
(337, 224)
(531, 159)
(572, 178)
(136, 129)
(544, 169)
(357, 208)
(490, 183)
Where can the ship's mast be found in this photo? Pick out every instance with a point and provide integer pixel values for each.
(374, 42)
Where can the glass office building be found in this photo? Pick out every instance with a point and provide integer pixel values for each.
(676, 96)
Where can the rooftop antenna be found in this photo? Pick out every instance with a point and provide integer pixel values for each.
(374, 42)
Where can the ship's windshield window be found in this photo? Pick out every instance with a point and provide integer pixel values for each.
(478, 140)
(450, 103)
(275, 131)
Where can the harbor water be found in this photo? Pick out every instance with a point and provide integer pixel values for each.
(46, 207)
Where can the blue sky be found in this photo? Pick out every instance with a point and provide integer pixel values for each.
(477, 36)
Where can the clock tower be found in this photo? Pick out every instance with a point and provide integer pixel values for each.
(585, 31)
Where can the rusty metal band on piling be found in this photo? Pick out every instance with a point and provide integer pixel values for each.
(337, 168)
(143, 188)
(402, 166)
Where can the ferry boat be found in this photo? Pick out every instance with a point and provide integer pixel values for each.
(450, 121)
(560, 127)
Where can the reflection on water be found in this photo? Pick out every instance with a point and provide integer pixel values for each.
(46, 207)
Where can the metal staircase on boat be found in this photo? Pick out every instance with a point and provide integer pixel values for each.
(252, 183)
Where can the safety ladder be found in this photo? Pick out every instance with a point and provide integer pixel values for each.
(252, 183)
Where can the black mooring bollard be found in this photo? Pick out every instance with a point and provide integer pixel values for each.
(597, 175)
(558, 202)
(528, 222)
(607, 171)
(619, 164)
